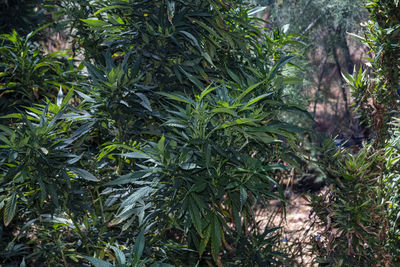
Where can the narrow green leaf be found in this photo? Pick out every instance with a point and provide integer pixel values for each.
(95, 22)
(138, 247)
(216, 237)
(107, 8)
(56, 117)
(6, 129)
(256, 10)
(135, 155)
(237, 218)
(121, 259)
(233, 76)
(281, 62)
(84, 174)
(255, 100)
(192, 39)
(192, 78)
(205, 239)
(137, 195)
(178, 97)
(145, 101)
(98, 262)
(68, 97)
(12, 116)
(128, 178)
(206, 92)
(161, 145)
(362, 39)
(241, 121)
(247, 91)
(224, 110)
(243, 197)
(208, 58)
(10, 209)
(195, 215)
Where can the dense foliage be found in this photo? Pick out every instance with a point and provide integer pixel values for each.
(157, 137)
(360, 210)
(160, 152)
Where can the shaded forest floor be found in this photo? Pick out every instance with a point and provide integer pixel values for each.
(299, 230)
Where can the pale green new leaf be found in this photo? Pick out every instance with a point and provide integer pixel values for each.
(95, 23)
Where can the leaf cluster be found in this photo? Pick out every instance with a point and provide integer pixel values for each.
(161, 151)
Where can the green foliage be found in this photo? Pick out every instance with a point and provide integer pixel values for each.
(120, 102)
(179, 114)
(185, 44)
(378, 94)
(37, 164)
(351, 210)
(41, 176)
(208, 169)
(392, 182)
(27, 76)
(133, 258)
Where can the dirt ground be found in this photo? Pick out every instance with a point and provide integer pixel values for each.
(298, 230)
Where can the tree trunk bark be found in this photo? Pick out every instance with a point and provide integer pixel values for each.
(338, 42)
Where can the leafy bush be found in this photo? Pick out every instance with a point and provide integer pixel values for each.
(181, 43)
(351, 210)
(377, 94)
(376, 97)
(200, 182)
(41, 171)
(180, 116)
(27, 76)
(392, 182)
(118, 99)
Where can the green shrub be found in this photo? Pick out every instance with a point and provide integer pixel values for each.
(41, 176)
(392, 182)
(351, 211)
(376, 95)
(179, 114)
(27, 76)
(201, 181)
(220, 138)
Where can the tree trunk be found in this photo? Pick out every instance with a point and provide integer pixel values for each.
(338, 42)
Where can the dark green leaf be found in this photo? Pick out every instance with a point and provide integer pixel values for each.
(97, 262)
(10, 209)
(84, 174)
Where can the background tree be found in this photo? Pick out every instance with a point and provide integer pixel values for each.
(324, 25)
